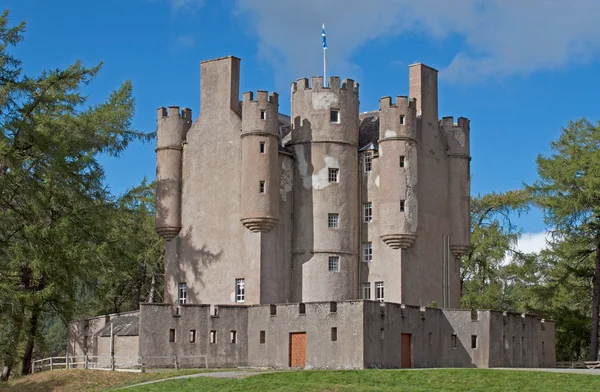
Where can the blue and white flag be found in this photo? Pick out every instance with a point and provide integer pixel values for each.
(324, 38)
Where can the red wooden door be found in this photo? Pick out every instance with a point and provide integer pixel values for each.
(298, 349)
(405, 342)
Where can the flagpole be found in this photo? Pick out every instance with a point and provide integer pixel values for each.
(324, 58)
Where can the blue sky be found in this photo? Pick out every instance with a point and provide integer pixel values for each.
(519, 70)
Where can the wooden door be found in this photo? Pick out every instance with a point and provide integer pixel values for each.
(298, 349)
(405, 345)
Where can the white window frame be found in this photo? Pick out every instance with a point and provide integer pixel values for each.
(334, 174)
(334, 264)
(368, 161)
(240, 290)
(366, 290)
(379, 292)
(333, 221)
(182, 296)
(367, 252)
(368, 212)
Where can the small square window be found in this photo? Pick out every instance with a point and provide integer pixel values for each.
(171, 336)
(262, 147)
(401, 160)
(302, 308)
(233, 337)
(213, 337)
(334, 264)
(333, 175)
(402, 119)
(334, 334)
(367, 252)
(334, 221)
(368, 212)
(401, 205)
(262, 337)
(333, 307)
(368, 161)
(473, 341)
(273, 310)
(366, 289)
(334, 116)
(263, 115)
(193, 336)
(261, 187)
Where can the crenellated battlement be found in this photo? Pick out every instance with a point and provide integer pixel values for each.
(173, 112)
(262, 97)
(461, 122)
(402, 101)
(334, 85)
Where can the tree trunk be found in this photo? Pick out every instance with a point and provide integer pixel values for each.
(595, 306)
(28, 354)
(10, 353)
(152, 288)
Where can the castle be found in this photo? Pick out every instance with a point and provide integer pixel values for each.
(300, 237)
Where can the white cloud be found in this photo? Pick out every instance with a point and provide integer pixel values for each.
(530, 243)
(180, 5)
(500, 37)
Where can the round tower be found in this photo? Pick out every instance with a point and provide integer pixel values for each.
(171, 130)
(260, 171)
(326, 218)
(457, 140)
(398, 209)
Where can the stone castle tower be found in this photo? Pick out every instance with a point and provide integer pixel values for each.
(328, 205)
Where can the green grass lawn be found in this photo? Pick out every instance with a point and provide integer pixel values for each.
(389, 380)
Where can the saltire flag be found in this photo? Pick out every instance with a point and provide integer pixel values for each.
(324, 38)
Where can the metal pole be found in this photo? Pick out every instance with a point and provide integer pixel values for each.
(112, 349)
(324, 67)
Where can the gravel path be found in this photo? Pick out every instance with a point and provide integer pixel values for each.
(224, 374)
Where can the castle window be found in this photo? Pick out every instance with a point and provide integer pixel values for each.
(333, 221)
(366, 290)
(302, 308)
(240, 290)
(182, 293)
(193, 336)
(379, 291)
(333, 175)
(367, 252)
(453, 341)
(334, 264)
(402, 119)
(473, 341)
(401, 205)
(333, 334)
(263, 115)
(262, 147)
(401, 160)
(368, 161)
(233, 337)
(261, 187)
(368, 212)
(263, 337)
(171, 336)
(430, 339)
(213, 337)
(334, 116)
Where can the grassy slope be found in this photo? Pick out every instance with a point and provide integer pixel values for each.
(389, 380)
(82, 380)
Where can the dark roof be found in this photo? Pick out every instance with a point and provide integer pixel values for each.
(125, 325)
(368, 130)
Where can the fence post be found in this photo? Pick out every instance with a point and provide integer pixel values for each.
(85, 362)
(51, 363)
(67, 362)
(175, 360)
(33, 367)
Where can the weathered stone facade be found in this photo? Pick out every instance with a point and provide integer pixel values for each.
(330, 204)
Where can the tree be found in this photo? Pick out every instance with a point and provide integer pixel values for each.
(53, 203)
(568, 191)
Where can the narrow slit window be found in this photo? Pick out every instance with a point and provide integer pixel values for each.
(333, 175)
(382, 334)
(233, 337)
(334, 116)
(193, 336)
(453, 341)
(261, 187)
(171, 336)
(263, 337)
(263, 115)
(262, 147)
(430, 339)
(334, 334)
(302, 308)
(401, 205)
(213, 337)
(473, 341)
(402, 161)
(368, 161)
(402, 119)
(334, 221)
(334, 264)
